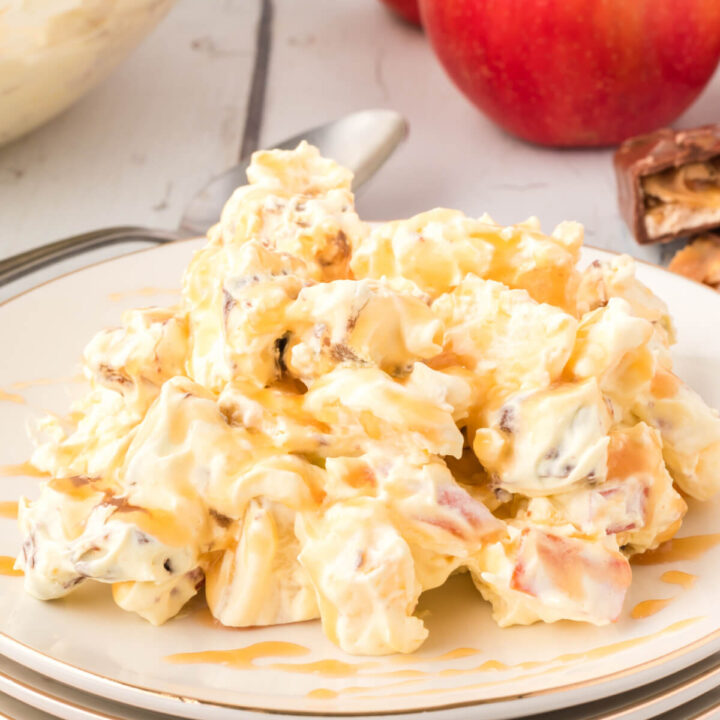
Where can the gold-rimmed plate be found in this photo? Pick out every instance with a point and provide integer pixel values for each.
(88, 642)
(683, 694)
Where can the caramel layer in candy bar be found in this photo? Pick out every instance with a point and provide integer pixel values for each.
(669, 183)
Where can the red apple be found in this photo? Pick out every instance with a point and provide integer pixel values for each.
(407, 9)
(577, 72)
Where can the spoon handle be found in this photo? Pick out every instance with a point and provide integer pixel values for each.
(17, 266)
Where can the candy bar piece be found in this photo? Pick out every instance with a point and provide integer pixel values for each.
(669, 183)
(700, 260)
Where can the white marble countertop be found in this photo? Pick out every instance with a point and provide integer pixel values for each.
(135, 149)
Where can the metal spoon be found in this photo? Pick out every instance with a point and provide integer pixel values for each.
(362, 142)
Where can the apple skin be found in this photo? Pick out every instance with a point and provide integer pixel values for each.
(407, 9)
(577, 72)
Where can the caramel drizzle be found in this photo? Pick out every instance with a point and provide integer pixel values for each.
(677, 577)
(560, 662)
(6, 566)
(161, 524)
(79, 487)
(244, 659)
(11, 398)
(158, 523)
(646, 608)
(22, 470)
(664, 385)
(684, 548)
(240, 658)
(9, 509)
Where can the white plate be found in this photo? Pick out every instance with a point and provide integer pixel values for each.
(668, 694)
(61, 701)
(11, 709)
(86, 641)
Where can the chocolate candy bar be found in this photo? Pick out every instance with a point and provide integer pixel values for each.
(669, 183)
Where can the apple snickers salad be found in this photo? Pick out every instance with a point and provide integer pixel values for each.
(338, 416)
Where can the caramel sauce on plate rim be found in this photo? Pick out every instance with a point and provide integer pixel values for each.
(556, 664)
(687, 548)
(243, 658)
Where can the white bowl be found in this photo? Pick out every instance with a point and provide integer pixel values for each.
(53, 51)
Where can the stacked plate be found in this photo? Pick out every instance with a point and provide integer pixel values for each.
(688, 695)
(83, 658)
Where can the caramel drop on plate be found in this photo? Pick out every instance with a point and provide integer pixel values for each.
(6, 566)
(9, 509)
(649, 607)
(492, 665)
(677, 577)
(11, 397)
(322, 694)
(684, 548)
